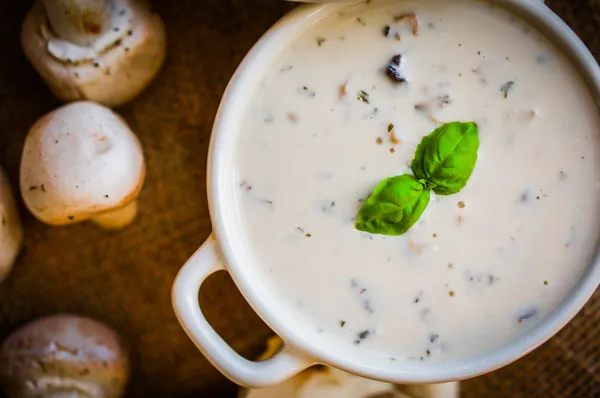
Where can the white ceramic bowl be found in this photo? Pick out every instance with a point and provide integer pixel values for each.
(228, 249)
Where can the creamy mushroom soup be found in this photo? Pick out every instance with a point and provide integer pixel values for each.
(339, 111)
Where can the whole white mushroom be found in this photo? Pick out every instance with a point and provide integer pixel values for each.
(11, 233)
(82, 162)
(63, 356)
(105, 51)
(326, 382)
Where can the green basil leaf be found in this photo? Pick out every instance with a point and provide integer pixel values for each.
(417, 163)
(446, 157)
(395, 205)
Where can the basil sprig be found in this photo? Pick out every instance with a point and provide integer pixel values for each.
(444, 162)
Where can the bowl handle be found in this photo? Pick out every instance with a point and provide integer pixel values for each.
(284, 364)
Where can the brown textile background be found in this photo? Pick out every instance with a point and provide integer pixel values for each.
(124, 278)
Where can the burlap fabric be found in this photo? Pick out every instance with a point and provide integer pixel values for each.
(124, 278)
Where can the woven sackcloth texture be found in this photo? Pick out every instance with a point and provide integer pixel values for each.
(124, 278)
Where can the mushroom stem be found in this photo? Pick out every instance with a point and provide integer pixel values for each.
(65, 387)
(62, 394)
(79, 21)
(117, 218)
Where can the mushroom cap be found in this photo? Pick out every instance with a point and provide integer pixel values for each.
(334, 383)
(66, 356)
(326, 382)
(79, 161)
(320, 381)
(11, 233)
(111, 72)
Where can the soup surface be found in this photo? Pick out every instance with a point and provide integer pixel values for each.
(480, 267)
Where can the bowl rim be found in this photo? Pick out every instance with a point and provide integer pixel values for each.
(264, 303)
